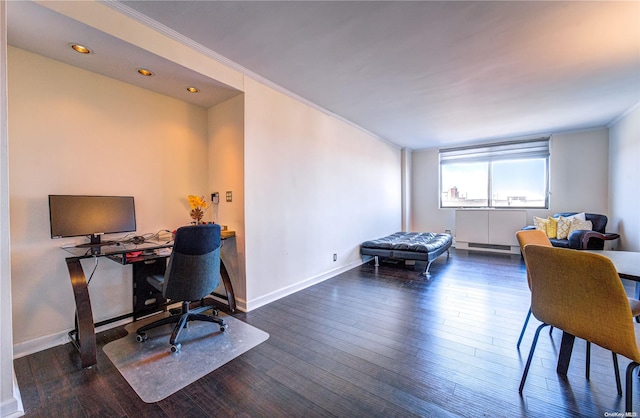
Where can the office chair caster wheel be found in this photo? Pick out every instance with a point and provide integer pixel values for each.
(175, 348)
(224, 327)
(141, 337)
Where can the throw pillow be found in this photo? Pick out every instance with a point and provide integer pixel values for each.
(549, 226)
(540, 224)
(552, 227)
(564, 224)
(581, 216)
(579, 225)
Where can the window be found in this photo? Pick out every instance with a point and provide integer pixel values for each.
(502, 175)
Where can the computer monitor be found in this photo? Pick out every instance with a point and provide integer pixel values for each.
(92, 216)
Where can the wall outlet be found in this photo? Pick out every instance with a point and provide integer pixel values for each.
(335, 257)
(229, 196)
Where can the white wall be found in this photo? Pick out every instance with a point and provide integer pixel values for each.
(226, 173)
(624, 179)
(406, 188)
(314, 186)
(75, 132)
(426, 215)
(10, 402)
(579, 172)
(578, 181)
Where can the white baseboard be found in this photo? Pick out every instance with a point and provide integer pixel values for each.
(54, 340)
(241, 304)
(286, 291)
(38, 344)
(12, 407)
(502, 249)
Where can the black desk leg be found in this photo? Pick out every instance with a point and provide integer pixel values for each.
(231, 297)
(228, 287)
(566, 347)
(85, 337)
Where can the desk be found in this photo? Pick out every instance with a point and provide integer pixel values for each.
(627, 264)
(83, 336)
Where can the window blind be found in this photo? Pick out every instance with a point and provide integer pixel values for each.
(512, 150)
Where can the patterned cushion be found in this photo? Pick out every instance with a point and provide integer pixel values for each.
(579, 225)
(564, 224)
(552, 227)
(540, 224)
(549, 226)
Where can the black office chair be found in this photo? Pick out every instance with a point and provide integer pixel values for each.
(193, 273)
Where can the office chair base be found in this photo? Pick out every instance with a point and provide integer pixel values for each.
(181, 320)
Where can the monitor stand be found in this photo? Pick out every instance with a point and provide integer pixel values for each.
(95, 241)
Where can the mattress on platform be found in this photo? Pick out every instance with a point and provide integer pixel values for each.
(425, 246)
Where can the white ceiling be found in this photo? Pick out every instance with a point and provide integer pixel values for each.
(418, 74)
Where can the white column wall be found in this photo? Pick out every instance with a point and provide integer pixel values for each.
(624, 179)
(226, 173)
(10, 402)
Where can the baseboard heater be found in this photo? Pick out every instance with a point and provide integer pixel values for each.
(489, 230)
(489, 246)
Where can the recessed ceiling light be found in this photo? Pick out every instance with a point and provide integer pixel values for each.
(145, 72)
(192, 90)
(80, 48)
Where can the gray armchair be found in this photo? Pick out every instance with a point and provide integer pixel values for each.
(193, 273)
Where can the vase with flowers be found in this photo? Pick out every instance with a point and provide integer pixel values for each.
(198, 208)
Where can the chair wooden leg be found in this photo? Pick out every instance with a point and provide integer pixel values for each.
(524, 327)
(526, 367)
(628, 401)
(617, 370)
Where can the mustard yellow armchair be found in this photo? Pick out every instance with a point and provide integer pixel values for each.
(582, 294)
(537, 237)
(525, 237)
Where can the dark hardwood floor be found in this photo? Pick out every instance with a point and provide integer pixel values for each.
(381, 342)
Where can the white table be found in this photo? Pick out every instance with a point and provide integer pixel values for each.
(626, 262)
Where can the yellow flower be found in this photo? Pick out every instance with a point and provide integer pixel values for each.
(198, 207)
(197, 202)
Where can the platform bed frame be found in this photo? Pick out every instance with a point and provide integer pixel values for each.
(418, 246)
